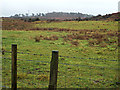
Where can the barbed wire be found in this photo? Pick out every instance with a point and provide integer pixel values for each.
(80, 78)
(27, 60)
(29, 53)
(93, 67)
(100, 67)
(65, 56)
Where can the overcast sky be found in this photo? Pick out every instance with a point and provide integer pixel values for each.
(94, 7)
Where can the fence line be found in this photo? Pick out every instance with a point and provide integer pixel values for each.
(66, 56)
(100, 67)
(29, 53)
(53, 67)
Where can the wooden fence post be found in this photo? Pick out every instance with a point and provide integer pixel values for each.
(53, 71)
(14, 67)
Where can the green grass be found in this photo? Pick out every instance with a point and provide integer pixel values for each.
(81, 73)
(80, 25)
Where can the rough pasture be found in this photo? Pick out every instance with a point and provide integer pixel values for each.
(91, 54)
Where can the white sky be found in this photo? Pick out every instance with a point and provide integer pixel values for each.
(94, 7)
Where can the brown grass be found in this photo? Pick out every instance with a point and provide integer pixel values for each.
(99, 38)
(38, 38)
(53, 37)
(15, 24)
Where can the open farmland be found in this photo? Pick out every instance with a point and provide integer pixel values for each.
(88, 54)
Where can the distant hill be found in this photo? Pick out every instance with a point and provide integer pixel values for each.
(68, 16)
(63, 15)
(108, 17)
(54, 15)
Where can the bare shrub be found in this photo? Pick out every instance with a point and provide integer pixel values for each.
(94, 42)
(111, 33)
(65, 39)
(80, 37)
(69, 38)
(97, 35)
(76, 36)
(105, 39)
(46, 38)
(99, 40)
(53, 37)
(41, 36)
(103, 45)
(91, 42)
(37, 39)
(76, 43)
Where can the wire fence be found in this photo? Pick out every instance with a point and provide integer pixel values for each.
(100, 67)
(66, 64)
(64, 56)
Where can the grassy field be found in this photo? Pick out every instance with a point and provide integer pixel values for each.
(88, 53)
(89, 25)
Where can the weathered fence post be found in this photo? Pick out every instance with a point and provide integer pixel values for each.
(53, 71)
(14, 67)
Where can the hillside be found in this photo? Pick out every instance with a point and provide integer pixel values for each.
(108, 17)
